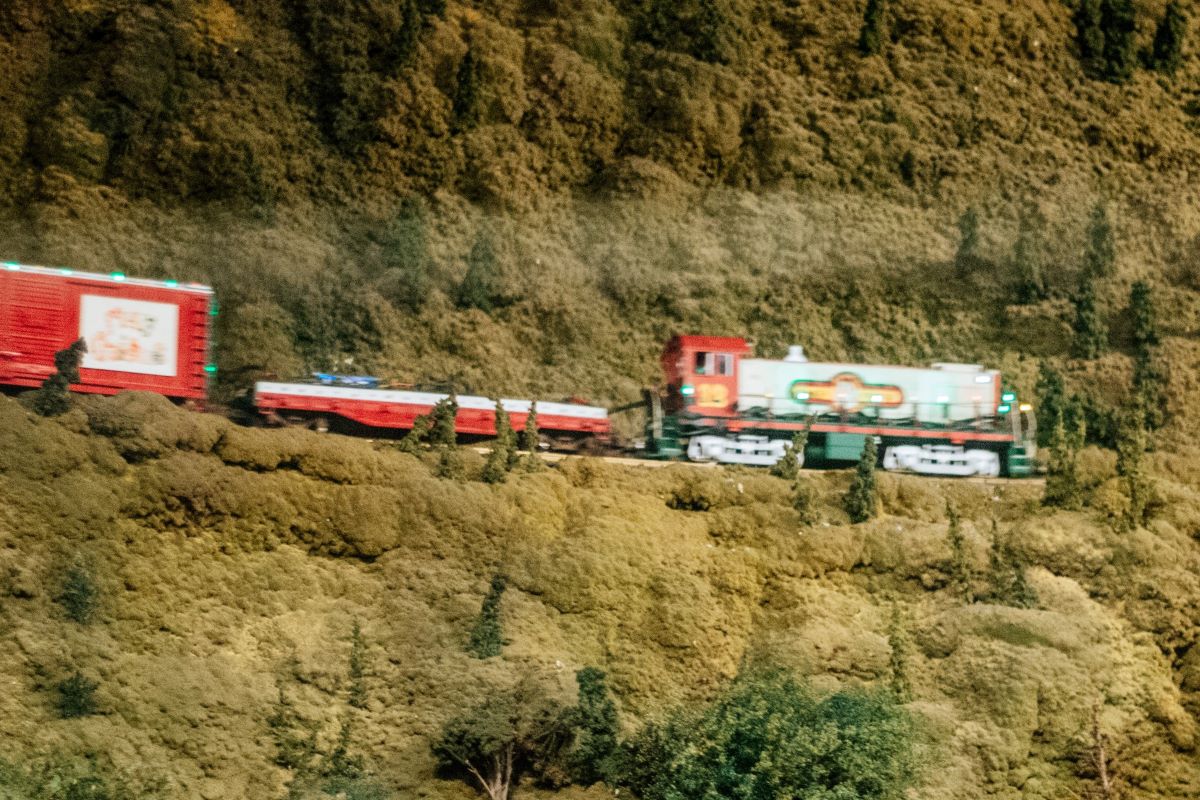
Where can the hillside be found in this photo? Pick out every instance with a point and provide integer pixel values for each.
(529, 197)
(232, 563)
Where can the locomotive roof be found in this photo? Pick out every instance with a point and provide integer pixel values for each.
(111, 277)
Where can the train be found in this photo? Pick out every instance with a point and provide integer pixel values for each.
(717, 402)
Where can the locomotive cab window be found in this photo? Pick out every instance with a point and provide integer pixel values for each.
(714, 364)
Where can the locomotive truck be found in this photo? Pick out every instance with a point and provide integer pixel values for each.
(718, 403)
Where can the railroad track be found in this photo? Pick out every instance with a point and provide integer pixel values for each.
(646, 463)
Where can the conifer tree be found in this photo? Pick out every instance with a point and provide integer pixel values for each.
(788, 466)
(406, 260)
(501, 457)
(1027, 259)
(418, 435)
(960, 564)
(901, 652)
(967, 256)
(1063, 489)
(804, 500)
(444, 437)
(76, 697)
(1150, 389)
(530, 439)
(358, 687)
(442, 422)
(1091, 334)
(54, 397)
(478, 289)
(1145, 321)
(874, 29)
(860, 501)
(1149, 382)
(450, 464)
(487, 636)
(1100, 254)
(340, 763)
(80, 596)
(1167, 52)
(1131, 449)
(295, 739)
(595, 724)
(467, 89)
(1120, 55)
(1089, 35)
(1051, 403)
(1007, 574)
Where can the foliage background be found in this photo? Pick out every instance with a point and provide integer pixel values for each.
(633, 182)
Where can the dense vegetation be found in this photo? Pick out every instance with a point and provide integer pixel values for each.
(529, 196)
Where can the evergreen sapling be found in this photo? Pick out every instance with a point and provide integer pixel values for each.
(530, 440)
(901, 652)
(960, 564)
(358, 688)
(860, 501)
(873, 35)
(1167, 52)
(487, 636)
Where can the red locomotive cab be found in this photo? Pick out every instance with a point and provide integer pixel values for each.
(702, 374)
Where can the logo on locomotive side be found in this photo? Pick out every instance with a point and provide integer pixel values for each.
(846, 392)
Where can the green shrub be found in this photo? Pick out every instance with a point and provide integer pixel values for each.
(62, 778)
(769, 736)
(76, 697)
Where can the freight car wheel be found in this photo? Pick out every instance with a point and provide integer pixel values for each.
(319, 424)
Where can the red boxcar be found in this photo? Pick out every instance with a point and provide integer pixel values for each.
(142, 335)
